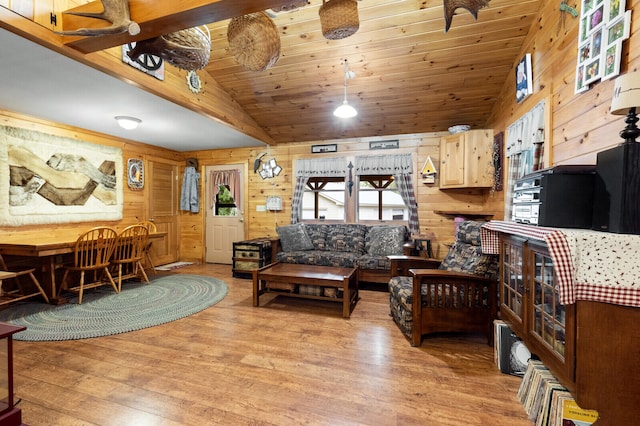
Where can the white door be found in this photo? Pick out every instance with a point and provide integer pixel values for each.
(225, 223)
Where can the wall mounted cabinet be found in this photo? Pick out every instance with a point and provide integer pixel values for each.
(466, 160)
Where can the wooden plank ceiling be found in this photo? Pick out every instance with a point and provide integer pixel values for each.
(411, 76)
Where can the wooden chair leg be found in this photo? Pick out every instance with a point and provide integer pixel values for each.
(119, 289)
(111, 281)
(153, 267)
(81, 288)
(144, 274)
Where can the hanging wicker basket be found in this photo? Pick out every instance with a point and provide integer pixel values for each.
(339, 18)
(254, 41)
(188, 49)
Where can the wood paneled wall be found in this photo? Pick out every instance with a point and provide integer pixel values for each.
(259, 224)
(135, 206)
(581, 123)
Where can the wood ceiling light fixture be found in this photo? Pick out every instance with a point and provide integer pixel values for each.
(345, 110)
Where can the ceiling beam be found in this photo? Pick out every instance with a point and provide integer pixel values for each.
(157, 18)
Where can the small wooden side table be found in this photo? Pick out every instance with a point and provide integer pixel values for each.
(422, 245)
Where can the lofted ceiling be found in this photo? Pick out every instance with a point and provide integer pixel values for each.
(411, 76)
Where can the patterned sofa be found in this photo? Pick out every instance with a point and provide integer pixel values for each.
(344, 245)
(457, 295)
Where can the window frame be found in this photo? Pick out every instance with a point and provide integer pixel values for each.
(324, 180)
(351, 203)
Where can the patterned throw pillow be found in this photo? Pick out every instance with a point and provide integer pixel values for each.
(346, 237)
(385, 240)
(469, 232)
(294, 237)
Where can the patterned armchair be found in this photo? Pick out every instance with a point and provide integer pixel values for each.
(458, 294)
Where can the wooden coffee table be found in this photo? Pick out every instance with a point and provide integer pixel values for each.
(345, 279)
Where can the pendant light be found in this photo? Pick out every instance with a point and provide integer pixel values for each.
(345, 110)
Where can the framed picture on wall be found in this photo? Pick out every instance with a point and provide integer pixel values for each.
(614, 9)
(592, 71)
(604, 25)
(524, 79)
(611, 61)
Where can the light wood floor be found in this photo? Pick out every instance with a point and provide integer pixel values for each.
(287, 362)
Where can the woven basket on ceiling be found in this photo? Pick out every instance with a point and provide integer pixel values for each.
(254, 41)
(188, 49)
(339, 18)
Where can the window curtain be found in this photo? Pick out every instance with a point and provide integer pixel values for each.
(230, 178)
(401, 167)
(525, 150)
(306, 168)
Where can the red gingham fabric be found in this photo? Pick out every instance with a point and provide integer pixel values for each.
(589, 265)
(562, 265)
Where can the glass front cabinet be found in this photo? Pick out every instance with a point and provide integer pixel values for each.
(530, 304)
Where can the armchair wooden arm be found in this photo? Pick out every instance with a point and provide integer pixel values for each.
(400, 265)
(452, 302)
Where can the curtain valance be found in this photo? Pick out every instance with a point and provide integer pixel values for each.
(526, 131)
(384, 164)
(308, 167)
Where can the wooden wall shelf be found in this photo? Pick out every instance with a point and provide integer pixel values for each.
(464, 214)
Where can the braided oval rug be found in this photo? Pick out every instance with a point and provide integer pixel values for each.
(103, 312)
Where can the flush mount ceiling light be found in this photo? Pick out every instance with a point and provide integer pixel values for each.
(128, 123)
(345, 110)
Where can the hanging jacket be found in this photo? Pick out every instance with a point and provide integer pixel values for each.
(189, 200)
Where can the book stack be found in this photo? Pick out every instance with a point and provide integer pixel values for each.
(547, 402)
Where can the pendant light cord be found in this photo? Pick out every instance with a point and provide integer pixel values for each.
(346, 70)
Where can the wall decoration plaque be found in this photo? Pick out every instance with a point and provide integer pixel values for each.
(135, 173)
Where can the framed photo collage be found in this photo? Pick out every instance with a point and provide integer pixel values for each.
(604, 25)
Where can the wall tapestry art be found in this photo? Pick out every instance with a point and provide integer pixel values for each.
(51, 179)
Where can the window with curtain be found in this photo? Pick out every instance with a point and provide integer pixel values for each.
(379, 199)
(399, 167)
(321, 170)
(225, 192)
(324, 198)
(376, 187)
(524, 149)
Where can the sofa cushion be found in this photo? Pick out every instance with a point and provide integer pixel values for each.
(385, 240)
(470, 259)
(319, 258)
(346, 238)
(294, 237)
(317, 233)
(368, 262)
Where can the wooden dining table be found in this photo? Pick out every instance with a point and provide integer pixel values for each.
(50, 248)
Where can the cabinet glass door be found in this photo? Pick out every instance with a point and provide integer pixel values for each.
(548, 314)
(512, 282)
